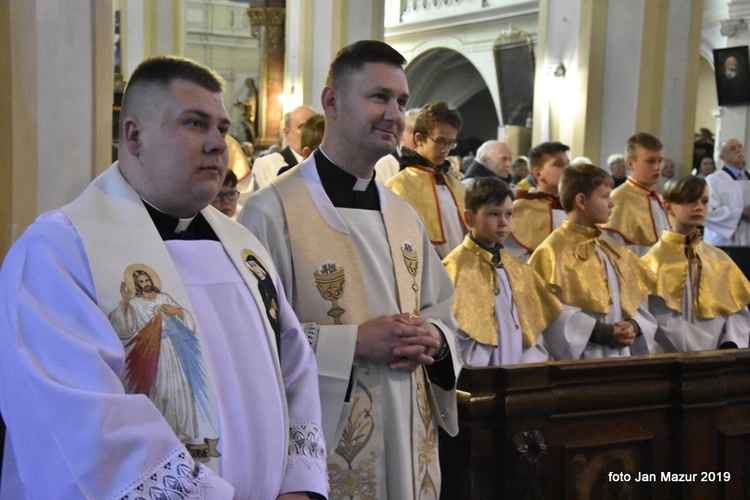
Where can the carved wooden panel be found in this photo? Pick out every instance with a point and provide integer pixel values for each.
(669, 426)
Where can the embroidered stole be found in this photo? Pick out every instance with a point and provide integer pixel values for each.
(330, 289)
(121, 240)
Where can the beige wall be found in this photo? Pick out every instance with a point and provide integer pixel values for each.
(57, 101)
(707, 100)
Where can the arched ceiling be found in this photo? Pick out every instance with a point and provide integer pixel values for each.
(446, 75)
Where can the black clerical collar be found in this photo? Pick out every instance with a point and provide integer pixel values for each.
(172, 228)
(344, 189)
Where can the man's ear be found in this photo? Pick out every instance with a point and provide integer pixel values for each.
(131, 136)
(328, 100)
(306, 151)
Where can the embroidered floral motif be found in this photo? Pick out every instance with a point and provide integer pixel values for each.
(307, 445)
(177, 477)
(356, 481)
(428, 456)
(358, 429)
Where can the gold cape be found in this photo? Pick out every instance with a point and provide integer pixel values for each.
(416, 185)
(534, 217)
(567, 260)
(237, 159)
(473, 274)
(722, 289)
(524, 185)
(631, 216)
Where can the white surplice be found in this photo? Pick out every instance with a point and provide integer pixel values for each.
(727, 198)
(73, 431)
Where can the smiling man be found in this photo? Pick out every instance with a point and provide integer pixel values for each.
(135, 298)
(373, 296)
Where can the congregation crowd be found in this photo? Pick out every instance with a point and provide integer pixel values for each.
(181, 330)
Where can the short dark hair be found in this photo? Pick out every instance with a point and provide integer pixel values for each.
(230, 180)
(432, 114)
(642, 140)
(582, 178)
(684, 189)
(539, 154)
(161, 71)
(311, 132)
(489, 190)
(353, 57)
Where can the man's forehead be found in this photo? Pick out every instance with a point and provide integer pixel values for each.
(384, 75)
(194, 95)
(503, 149)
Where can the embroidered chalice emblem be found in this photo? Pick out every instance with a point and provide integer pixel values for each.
(411, 259)
(330, 282)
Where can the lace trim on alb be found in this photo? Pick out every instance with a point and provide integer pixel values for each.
(307, 445)
(178, 476)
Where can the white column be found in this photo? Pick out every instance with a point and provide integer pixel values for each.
(315, 33)
(67, 96)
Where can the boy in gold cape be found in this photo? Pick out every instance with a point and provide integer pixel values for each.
(503, 308)
(608, 282)
(424, 180)
(638, 218)
(701, 295)
(537, 210)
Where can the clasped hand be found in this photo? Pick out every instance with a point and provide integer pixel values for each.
(399, 341)
(624, 334)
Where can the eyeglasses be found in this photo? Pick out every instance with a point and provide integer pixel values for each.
(228, 195)
(442, 143)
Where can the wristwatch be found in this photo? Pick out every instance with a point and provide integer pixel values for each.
(443, 352)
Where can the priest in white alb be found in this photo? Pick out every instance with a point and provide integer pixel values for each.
(142, 356)
(365, 281)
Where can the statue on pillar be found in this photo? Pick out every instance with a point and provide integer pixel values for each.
(249, 107)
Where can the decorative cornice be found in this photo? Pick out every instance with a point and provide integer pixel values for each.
(269, 17)
(514, 36)
(729, 27)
